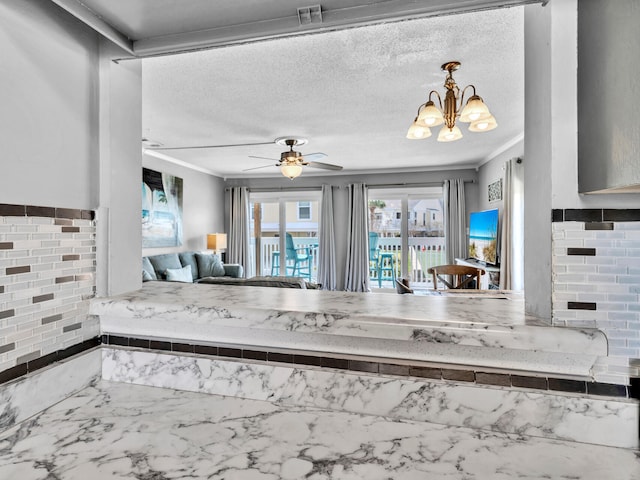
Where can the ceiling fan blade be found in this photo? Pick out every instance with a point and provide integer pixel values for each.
(209, 146)
(265, 158)
(314, 156)
(257, 168)
(325, 166)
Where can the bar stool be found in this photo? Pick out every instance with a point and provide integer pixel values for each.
(386, 267)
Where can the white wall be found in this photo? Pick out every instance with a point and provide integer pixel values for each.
(48, 107)
(340, 197)
(203, 205)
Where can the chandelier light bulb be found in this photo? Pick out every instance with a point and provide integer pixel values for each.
(483, 125)
(474, 110)
(449, 134)
(417, 131)
(430, 115)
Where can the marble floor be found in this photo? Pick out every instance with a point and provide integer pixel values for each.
(123, 431)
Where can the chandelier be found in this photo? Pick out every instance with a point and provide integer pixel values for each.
(475, 112)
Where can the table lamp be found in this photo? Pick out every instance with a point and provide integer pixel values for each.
(217, 242)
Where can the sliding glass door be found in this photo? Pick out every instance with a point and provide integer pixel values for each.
(406, 235)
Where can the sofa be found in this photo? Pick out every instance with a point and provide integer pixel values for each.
(188, 267)
(207, 268)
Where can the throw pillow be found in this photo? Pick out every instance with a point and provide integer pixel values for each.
(147, 267)
(209, 265)
(179, 274)
(146, 276)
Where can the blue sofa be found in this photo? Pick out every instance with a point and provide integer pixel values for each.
(189, 267)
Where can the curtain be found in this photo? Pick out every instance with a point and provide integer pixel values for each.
(455, 220)
(238, 244)
(326, 242)
(357, 272)
(512, 240)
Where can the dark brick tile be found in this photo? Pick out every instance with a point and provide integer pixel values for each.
(68, 258)
(588, 252)
(68, 213)
(362, 366)
(72, 327)
(564, 385)
(254, 355)
(329, 362)
(70, 229)
(83, 277)
(42, 298)
(557, 215)
(8, 210)
(63, 221)
(425, 372)
(67, 279)
(307, 360)
(392, 369)
(13, 372)
(583, 215)
(8, 347)
(598, 226)
(206, 349)
(182, 347)
(621, 215)
(78, 348)
(117, 340)
(229, 352)
(607, 389)
(280, 357)
(17, 270)
(28, 357)
(159, 345)
(139, 342)
(539, 383)
(6, 245)
(458, 375)
(33, 211)
(1, 288)
(582, 305)
(88, 215)
(42, 362)
(499, 379)
(634, 388)
(7, 313)
(104, 339)
(51, 319)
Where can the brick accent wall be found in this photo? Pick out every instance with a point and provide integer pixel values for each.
(47, 277)
(596, 281)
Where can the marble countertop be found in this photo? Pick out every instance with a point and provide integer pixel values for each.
(491, 331)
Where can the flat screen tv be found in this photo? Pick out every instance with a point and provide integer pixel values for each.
(483, 236)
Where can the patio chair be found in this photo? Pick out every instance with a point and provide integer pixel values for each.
(297, 260)
(461, 276)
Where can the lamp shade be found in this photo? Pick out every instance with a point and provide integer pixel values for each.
(291, 171)
(216, 241)
(475, 109)
(430, 115)
(483, 125)
(449, 134)
(418, 132)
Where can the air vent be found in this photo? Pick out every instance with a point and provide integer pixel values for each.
(310, 15)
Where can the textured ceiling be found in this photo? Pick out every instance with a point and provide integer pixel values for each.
(352, 93)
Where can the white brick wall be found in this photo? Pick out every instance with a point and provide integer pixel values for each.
(610, 279)
(60, 254)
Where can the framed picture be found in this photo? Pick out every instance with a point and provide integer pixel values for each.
(495, 191)
(161, 209)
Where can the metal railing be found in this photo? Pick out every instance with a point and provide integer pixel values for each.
(424, 252)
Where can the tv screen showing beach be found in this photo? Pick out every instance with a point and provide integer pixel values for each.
(483, 236)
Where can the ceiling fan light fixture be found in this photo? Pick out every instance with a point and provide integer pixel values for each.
(483, 125)
(449, 134)
(291, 171)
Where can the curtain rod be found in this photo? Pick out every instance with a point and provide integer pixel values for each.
(277, 189)
(417, 185)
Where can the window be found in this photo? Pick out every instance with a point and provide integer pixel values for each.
(304, 210)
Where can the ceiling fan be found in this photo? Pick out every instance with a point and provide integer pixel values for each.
(291, 162)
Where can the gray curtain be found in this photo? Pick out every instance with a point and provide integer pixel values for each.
(512, 240)
(455, 220)
(357, 273)
(326, 242)
(238, 242)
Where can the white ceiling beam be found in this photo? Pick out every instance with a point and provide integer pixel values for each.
(86, 16)
(332, 19)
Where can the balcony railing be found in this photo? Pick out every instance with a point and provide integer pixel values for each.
(424, 252)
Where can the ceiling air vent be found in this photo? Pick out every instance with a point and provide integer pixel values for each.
(309, 15)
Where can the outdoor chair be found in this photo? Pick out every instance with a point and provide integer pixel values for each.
(297, 260)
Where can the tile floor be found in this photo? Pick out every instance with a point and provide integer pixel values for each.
(123, 431)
